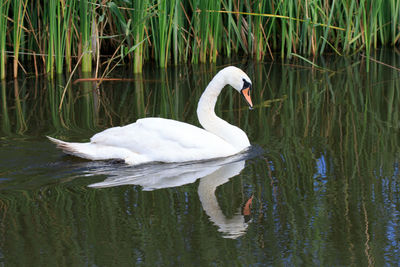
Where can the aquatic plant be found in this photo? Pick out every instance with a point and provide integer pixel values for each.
(60, 32)
(19, 8)
(4, 7)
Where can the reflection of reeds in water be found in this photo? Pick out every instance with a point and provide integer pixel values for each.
(323, 184)
(88, 101)
(5, 120)
(20, 113)
(139, 91)
(333, 137)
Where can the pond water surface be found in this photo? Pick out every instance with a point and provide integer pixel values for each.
(319, 187)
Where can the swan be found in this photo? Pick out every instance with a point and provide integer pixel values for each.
(165, 140)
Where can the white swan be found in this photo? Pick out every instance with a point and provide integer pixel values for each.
(165, 140)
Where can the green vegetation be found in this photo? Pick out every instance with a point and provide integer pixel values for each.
(4, 6)
(170, 32)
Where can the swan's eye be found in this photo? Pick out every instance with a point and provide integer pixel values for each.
(246, 84)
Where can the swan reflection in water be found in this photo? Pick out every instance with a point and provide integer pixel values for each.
(212, 173)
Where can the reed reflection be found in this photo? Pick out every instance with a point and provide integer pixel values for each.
(327, 187)
(5, 122)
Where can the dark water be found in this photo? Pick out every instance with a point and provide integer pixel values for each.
(323, 175)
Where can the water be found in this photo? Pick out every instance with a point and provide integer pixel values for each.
(322, 177)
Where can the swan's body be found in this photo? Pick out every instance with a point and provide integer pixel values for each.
(165, 140)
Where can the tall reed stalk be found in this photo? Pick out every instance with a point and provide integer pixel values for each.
(162, 30)
(4, 6)
(19, 9)
(87, 19)
(51, 53)
(139, 15)
(65, 13)
(178, 41)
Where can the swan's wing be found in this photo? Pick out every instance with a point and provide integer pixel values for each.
(165, 140)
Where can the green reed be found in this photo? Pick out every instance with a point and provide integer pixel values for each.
(51, 47)
(4, 7)
(131, 22)
(161, 25)
(19, 8)
(60, 26)
(140, 15)
(194, 31)
(177, 36)
(87, 32)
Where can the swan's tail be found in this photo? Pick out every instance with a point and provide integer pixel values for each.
(94, 151)
(76, 149)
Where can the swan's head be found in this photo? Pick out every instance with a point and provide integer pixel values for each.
(240, 81)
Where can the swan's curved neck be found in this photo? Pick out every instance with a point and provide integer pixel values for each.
(209, 98)
(211, 122)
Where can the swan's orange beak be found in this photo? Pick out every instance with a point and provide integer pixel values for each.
(246, 93)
